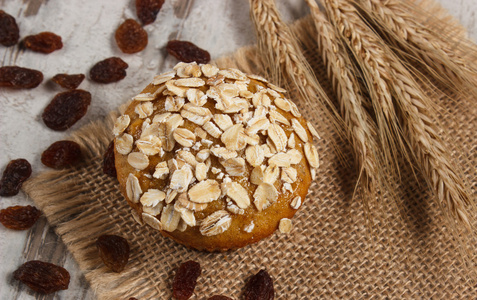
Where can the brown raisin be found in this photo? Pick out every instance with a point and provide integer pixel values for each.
(147, 10)
(219, 297)
(259, 287)
(67, 81)
(19, 217)
(187, 52)
(61, 154)
(16, 172)
(9, 32)
(113, 251)
(132, 298)
(109, 167)
(131, 37)
(44, 42)
(43, 277)
(185, 280)
(66, 109)
(109, 70)
(19, 78)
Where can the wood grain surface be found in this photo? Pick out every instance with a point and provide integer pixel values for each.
(220, 26)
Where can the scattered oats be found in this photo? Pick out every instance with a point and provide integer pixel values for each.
(234, 166)
(176, 90)
(161, 118)
(285, 225)
(282, 104)
(149, 145)
(215, 80)
(174, 121)
(124, 144)
(223, 153)
(201, 170)
(161, 171)
(278, 137)
(237, 193)
(289, 174)
(256, 176)
(188, 157)
(220, 176)
(273, 93)
(259, 113)
(296, 202)
(216, 170)
(243, 117)
(136, 217)
(138, 160)
(299, 130)
(291, 141)
(276, 88)
(312, 130)
(201, 133)
(189, 70)
(209, 70)
(228, 91)
(181, 178)
(207, 142)
(294, 110)
(152, 221)
(159, 79)
(276, 117)
(287, 187)
(271, 173)
(196, 97)
(202, 155)
(171, 195)
(311, 155)
(197, 146)
(187, 216)
(233, 208)
(205, 191)
(254, 155)
(246, 94)
(234, 105)
(182, 226)
(121, 124)
(174, 103)
(280, 159)
(264, 196)
(152, 197)
(232, 73)
(133, 189)
(249, 227)
(271, 145)
(212, 129)
(313, 173)
(266, 151)
(145, 97)
(189, 82)
(144, 109)
(257, 77)
(258, 124)
(295, 156)
(170, 218)
(196, 114)
(257, 99)
(216, 223)
(183, 201)
(253, 140)
(223, 121)
(184, 137)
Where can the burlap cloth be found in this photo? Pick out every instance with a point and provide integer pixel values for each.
(331, 253)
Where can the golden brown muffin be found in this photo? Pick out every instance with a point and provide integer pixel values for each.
(214, 159)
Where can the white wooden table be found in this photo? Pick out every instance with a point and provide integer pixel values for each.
(87, 28)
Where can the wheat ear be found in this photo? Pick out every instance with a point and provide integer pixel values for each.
(360, 128)
(285, 58)
(403, 31)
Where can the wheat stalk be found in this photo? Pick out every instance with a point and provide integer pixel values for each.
(402, 30)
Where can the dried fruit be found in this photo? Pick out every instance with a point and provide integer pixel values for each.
(43, 277)
(185, 280)
(109, 70)
(147, 10)
(66, 109)
(16, 172)
(113, 251)
(44, 42)
(67, 81)
(187, 52)
(109, 167)
(19, 78)
(9, 32)
(259, 287)
(219, 297)
(131, 37)
(132, 298)
(19, 217)
(61, 154)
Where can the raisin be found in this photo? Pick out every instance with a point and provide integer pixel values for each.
(109, 167)
(44, 42)
(67, 81)
(131, 37)
(113, 251)
(61, 154)
(66, 109)
(16, 172)
(259, 287)
(9, 32)
(147, 10)
(185, 280)
(43, 277)
(132, 298)
(20, 78)
(187, 52)
(219, 297)
(109, 70)
(19, 217)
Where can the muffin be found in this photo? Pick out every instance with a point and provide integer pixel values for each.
(214, 159)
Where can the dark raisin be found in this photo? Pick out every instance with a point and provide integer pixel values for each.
(259, 287)
(9, 32)
(20, 78)
(147, 10)
(61, 154)
(109, 70)
(219, 297)
(131, 37)
(109, 167)
(113, 251)
(19, 217)
(44, 42)
(43, 277)
(16, 172)
(185, 280)
(132, 298)
(187, 52)
(66, 109)
(67, 81)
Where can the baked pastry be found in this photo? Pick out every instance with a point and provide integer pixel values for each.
(214, 159)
